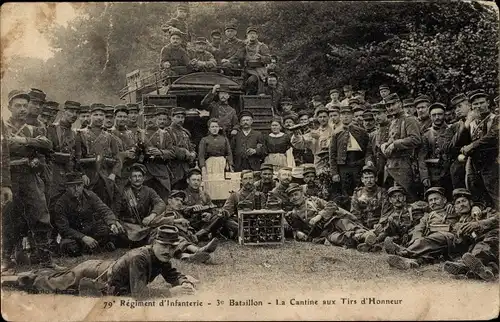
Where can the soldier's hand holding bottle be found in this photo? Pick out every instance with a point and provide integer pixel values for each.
(86, 180)
(90, 242)
(216, 88)
(336, 178)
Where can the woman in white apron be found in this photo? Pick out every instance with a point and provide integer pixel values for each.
(276, 145)
(214, 153)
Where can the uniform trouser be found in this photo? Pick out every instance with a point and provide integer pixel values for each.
(52, 281)
(488, 175)
(439, 178)
(211, 222)
(27, 216)
(486, 250)
(432, 246)
(403, 177)
(344, 230)
(457, 173)
(99, 231)
(349, 178)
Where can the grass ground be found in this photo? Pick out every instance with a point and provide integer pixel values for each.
(305, 270)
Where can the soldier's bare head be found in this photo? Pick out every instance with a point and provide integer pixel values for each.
(422, 110)
(230, 33)
(194, 180)
(436, 201)
(285, 176)
(136, 178)
(266, 175)
(247, 179)
(19, 108)
(272, 80)
(437, 116)
(368, 179)
(322, 118)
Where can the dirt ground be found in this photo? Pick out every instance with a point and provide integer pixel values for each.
(308, 271)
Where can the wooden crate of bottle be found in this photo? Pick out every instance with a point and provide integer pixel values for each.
(261, 227)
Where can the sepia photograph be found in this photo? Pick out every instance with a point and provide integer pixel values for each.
(250, 161)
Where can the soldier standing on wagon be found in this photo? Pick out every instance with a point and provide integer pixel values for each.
(221, 110)
(179, 24)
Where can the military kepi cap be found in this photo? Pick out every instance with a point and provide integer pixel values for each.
(149, 109)
(73, 178)
(178, 110)
(133, 107)
(97, 107)
(461, 192)
(392, 98)
(422, 99)
(121, 108)
(266, 166)
(309, 168)
(138, 167)
(230, 26)
(252, 28)
(439, 190)
(381, 87)
(109, 110)
(177, 194)
(192, 171)
(293, 187)
(457, 99)
(479, 94)
(437, 105)
(18, 94)
(167, 235)
(396, 189)
(37, 94)
(369, 168)
(246, 113)
(84, 109)
(72, 105)
(408, 102)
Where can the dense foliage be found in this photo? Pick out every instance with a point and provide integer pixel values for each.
(416, 47)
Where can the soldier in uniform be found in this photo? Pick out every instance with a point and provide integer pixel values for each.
(253, 56)
(221, 110)
(140, 207)
(37, 100)
(200, 210)
(481, 260)
(347, 89)
(409, 107)
(404, 138)
(457, 167)
(201, 59)
(6, 191)
(231, 46)
(174, 54)
(433, 237)
(126, 143)
(109, 117)
(481, 144)
(286, 107)
(185, 154)
(279, 192)
(129, 276)
(28, 214)
(154, 148)
(316, 140)
(334, 115)
(384, 91)
(276, 90)
(422, 104)
(64, 146)
(367, 202)
(267, 182)
(374, 155)
(347, 153)
(97, 157)
(49, 113)
(215, 46)
(334, 98)
(84, 116)
(311, 186)
(133, 117)
(357, 111)
(179, 24)
(85, 223)
(433, 161)
(369, 122)
(303, 155)
(247, 145)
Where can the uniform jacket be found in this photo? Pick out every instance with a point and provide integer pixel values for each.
(367, 205)
(64, 141)
(240, 143)
(175, 55)
(131, 273)
(199, 197)
(434, 148)
(231, 46)
(306, 141)
(373, 152)
(425, 124)
(228, 120)
(5, 157)
(404, 132)
(182, 25)
(72, 216)
(264, 187)
(258, 200)
(339, 143)
(36, 141)
(148, 202)
(180, 140)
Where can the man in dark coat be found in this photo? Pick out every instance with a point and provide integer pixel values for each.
(279, 193)
(174, 54)
(399, 150)
(381, 135)
(63, 139)
(139, 207)
(221, 110)
(348, 147)
(231, 46)
(129, 275)
(266, 182)
(422, 104)
(28, 214)
(247, 145)
(481, 145)
(85, 223)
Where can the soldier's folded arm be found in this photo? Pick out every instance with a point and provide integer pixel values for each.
(413, 138)
(490, 140)
(40, 142)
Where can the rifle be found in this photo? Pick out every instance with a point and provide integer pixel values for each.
(191, 209)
